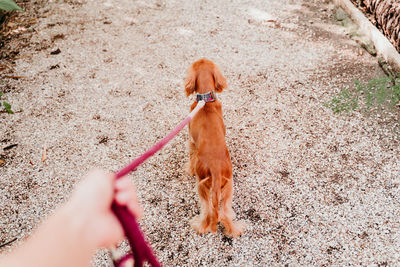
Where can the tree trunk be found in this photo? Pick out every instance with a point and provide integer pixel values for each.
(387, 17)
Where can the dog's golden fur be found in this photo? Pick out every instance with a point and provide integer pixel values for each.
(209, 157)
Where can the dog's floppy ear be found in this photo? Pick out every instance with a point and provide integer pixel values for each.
(220, 81)
(190, 82)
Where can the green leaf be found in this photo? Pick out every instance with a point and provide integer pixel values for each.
(9, 5)
(1, 93)
(8, 107)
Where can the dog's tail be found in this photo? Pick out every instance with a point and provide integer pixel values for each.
(215, 196)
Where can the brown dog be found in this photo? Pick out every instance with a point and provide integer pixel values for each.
(209, 156)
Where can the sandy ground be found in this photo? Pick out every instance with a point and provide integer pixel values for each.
(314, 188)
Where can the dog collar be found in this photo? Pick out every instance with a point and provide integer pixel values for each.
(208, 97)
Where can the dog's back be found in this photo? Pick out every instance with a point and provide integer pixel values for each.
(209, 136)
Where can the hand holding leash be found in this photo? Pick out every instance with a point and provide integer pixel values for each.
(140, 249)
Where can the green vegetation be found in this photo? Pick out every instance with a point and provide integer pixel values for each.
(378, 93)
(5, 106)
(6, 5)
(9, 5)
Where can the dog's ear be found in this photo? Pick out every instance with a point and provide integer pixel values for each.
(220, 81)
(190, 82)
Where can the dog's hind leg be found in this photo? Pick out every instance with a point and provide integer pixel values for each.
(202, 222)
(233, 229)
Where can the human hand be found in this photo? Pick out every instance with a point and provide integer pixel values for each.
(85, 223)
(90, 205)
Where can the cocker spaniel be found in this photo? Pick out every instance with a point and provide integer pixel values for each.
(209, 156)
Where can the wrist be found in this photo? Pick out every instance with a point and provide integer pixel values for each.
(61, 237)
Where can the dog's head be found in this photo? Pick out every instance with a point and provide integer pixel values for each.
(204, 76)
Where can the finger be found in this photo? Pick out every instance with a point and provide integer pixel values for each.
(129, 200)
(126, 191)
(122, 183)
(124, 197)
(136, 209)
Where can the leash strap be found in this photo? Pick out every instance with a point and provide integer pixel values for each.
(140, 249)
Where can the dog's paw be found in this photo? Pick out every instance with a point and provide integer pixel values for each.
(237, 229)
(199, 225)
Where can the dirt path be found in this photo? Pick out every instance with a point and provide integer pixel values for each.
(313, 187)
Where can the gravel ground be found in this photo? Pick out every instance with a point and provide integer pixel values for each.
(314, 188)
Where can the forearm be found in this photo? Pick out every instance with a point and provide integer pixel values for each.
(85, 223)
(59, 241)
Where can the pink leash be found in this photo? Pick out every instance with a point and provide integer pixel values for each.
(140, 249)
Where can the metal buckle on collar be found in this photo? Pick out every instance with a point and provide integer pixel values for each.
(208, 97)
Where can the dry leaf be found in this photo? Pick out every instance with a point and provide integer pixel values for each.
(44, 154)
(19, 30)
(14, 77)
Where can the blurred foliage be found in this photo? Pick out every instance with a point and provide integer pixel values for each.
(9, 5)
(380, 93)
(5, 106)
